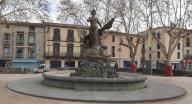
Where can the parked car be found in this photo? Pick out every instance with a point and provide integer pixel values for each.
(40, 69)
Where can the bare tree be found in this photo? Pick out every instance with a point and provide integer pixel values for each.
(23, 10)
(131, 21)
(133, 44)
(79, 12)
(174, 17)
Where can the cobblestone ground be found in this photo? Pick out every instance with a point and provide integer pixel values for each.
(10, 97)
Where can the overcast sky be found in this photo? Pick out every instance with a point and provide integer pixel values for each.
(53, 11)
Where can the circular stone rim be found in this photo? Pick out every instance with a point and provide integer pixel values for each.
(137, 78)
(28, 87)
(133, 82)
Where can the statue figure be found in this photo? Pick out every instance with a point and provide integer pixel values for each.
(95, 62)
(93, 30)
(93, 39)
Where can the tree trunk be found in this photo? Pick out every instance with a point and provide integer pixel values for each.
(132, 60)
(168, 61)
(133, 66)
(168, 67)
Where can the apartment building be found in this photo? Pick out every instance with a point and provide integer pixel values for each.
(63, 45)
(22, 44)
(119, 53)
(154, 54)
(187, 45)
(26, 45)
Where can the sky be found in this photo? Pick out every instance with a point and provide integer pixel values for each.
(53, 10)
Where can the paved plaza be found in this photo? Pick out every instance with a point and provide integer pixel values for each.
(9, 97)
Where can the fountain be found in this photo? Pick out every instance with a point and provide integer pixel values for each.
(95, 72)
(95, 79)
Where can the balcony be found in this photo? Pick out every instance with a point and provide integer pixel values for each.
(19, 55)
(6, 56)
(61, 55)
(31, 56)
(6, 42)
(20, 41)
(189, 56)
(31, 42)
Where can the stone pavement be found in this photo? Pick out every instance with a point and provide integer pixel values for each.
(9, 97)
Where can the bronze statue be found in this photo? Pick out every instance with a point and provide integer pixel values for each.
(93, 39)
(93, 30)
(94, 61)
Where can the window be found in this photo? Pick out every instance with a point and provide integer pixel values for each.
(113, 51)
(31, 28)
(70, 35)
(158, 46)
(31, 38)
(149, 48)
(149, 56)
(143, 46)
(188, 42)
(56, 49)
(157, 64)
(6, 38)
(31, 52)
(20, 37)
(113, 38)
(178, 46)
(187, 52)
(158, 55)
(143, 49)
(187, 55)
(6, 52)
(19, 52)
(56, 35)
(178, 55)
(69, 50)
(159, 35)
(70, 63)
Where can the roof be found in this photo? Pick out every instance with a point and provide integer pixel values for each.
(43, 24)
(156, 28)
(21, 23)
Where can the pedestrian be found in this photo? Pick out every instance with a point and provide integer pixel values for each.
(116, 69)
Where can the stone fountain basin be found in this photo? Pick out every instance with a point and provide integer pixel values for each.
(126, 81)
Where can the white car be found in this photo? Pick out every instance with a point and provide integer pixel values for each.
(40, 69)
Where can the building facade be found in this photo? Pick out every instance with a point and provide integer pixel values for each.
(63, 45)
(26, 45)
(187, 61)
(119, 53)
(22, 44)
(154, 54)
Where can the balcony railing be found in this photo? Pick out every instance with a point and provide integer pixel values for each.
(19, 55)
(189, 56)
(20, 41)
(6, 56)
(31, 56)
(61, 55)
(6, 42)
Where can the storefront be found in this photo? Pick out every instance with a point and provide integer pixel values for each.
(28, 64)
